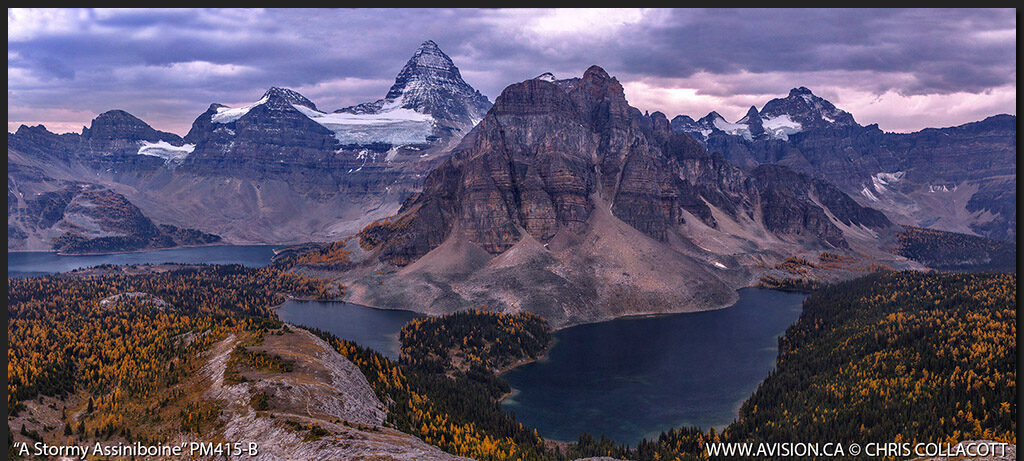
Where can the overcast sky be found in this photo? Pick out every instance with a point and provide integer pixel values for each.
(902, 69)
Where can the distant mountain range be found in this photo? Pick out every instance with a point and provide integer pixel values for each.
(797, 175)
(278, 170)
(960, 179)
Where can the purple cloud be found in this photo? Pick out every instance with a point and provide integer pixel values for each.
(902, 69)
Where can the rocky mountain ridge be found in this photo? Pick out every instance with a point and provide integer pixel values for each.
(959, 179)
(84, 219)
(278, 170)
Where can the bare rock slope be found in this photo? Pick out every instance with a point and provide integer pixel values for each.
(324, 390)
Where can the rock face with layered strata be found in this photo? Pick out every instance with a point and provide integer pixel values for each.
(565, 185)
(538, 159)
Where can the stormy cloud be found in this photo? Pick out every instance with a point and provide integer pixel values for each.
(902, 69)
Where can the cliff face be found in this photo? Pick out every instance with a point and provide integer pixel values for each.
(601, 206)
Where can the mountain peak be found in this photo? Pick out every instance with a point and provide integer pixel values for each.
(430, 83)
(430, 45)
(711, 117)
(595, 73)
(753, 121)
(118, 124)
(804, 110)
(546, 76)
(427, 64)
(751, 116)
(800, 91)
(288, 95)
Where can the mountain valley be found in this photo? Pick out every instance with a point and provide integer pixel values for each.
(512, 234)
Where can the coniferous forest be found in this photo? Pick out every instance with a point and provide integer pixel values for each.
(901, 356)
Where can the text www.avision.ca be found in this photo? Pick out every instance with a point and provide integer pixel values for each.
(835, 449)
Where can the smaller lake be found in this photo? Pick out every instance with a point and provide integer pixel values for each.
(633, 378)
(374, 328)
(34, 263)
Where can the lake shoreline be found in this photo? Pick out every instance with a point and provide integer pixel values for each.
(140, 250)
(651, 360)
(26, 263)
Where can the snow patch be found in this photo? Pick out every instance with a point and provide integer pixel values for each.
(719, 265)
(166, 151)
(392, 125)
(940, 188)
(880, 180)
(228, 115)
(547, 77)
(781, 127)
(888, 178)
(867, 193)
(734, 129)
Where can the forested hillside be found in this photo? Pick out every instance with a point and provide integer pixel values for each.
(895, 356)
(474, 340)
(953, 251)
(902, 355)
(108, 344)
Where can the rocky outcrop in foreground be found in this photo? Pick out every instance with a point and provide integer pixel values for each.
(322, 409)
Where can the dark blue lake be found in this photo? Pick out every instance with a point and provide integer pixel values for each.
(29, 264)
(374, 328)
(636, 377)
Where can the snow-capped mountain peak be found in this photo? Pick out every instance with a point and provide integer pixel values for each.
(714, 121)
(430, 83)
(291, 96)
(807, 109)
(780, 118)
(429, 101)
(547, 77)
(428, 65)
